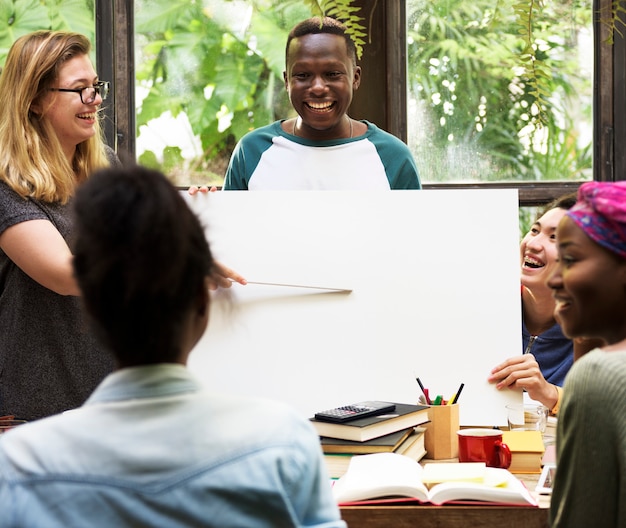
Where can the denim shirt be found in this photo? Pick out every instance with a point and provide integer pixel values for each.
(152, 448)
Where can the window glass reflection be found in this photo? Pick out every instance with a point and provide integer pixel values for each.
(472, 112)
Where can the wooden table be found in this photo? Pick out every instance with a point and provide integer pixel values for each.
(444, 516)
(413, 516)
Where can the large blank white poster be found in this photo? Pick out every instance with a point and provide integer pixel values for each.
(434, 280)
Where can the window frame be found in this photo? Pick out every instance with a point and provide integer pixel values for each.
(384, 80)
(115, 60)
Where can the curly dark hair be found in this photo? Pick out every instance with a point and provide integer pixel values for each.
(567, 201)
(141, 259)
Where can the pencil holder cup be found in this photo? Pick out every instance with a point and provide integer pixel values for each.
(440, 439)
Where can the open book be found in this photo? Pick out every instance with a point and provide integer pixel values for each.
(383, 475)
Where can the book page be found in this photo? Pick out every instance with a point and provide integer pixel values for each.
(380, 475)
(499, 486)
(438, 472)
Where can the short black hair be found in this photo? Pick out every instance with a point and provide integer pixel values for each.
(567, 201)
(316, 25)
(140, 258)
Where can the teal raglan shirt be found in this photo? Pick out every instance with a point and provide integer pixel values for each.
(268, 158)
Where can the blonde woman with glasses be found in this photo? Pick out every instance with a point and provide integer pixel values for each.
(50, 142)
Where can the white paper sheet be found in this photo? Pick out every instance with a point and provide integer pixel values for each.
(435, 293)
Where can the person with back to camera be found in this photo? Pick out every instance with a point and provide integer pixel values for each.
(151, 446)
(322, 148)
(547, 355)
(50, 141)
(589, 287)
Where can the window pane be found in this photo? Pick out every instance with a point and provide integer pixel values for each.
(205, 77)
(472, 115)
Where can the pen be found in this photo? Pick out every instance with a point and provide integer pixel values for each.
(424, 391)
(458, 393)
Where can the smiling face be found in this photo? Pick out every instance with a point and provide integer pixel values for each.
(589, 287)
(320, 79)
(538, 251)
(72, 120)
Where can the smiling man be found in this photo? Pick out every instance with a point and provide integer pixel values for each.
(322, 148)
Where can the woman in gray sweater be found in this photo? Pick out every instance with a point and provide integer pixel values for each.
(50, 142)
(589, 287)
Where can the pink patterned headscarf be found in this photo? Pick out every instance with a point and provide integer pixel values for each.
(601, 213)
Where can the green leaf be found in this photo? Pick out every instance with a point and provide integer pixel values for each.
(19, 18)
(172, 157)
(271, 38)
(155, 105)
(73, 15)
(149, 159)
(160, 16)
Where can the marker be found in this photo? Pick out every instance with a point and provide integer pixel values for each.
(424, 391)
(438, 400)
(458, 393)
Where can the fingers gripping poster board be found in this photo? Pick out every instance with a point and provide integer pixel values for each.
(434, 292)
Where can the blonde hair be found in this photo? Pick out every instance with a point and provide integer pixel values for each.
(32, 162)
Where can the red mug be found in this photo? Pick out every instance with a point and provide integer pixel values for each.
(484, 445)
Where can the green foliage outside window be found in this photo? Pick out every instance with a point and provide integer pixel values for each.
(500, 90)
(19, 17)
(204, 61)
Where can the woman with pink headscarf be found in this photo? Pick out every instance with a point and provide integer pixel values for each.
(589, 287)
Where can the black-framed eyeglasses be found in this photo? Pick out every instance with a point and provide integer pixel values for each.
(88, 93)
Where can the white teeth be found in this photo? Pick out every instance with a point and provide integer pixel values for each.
(560, 303)
(320, 106)
(87, 116)
(533, 263)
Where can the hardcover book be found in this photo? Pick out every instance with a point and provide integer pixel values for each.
(382, 444)
(527, 450)
(404, 416)
(412, 447)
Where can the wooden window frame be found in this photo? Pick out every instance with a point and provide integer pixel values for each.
(115, 59)
(382, 97)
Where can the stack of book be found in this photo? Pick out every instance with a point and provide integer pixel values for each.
(398, 432)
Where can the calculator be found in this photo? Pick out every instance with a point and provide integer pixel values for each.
(347, 413)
